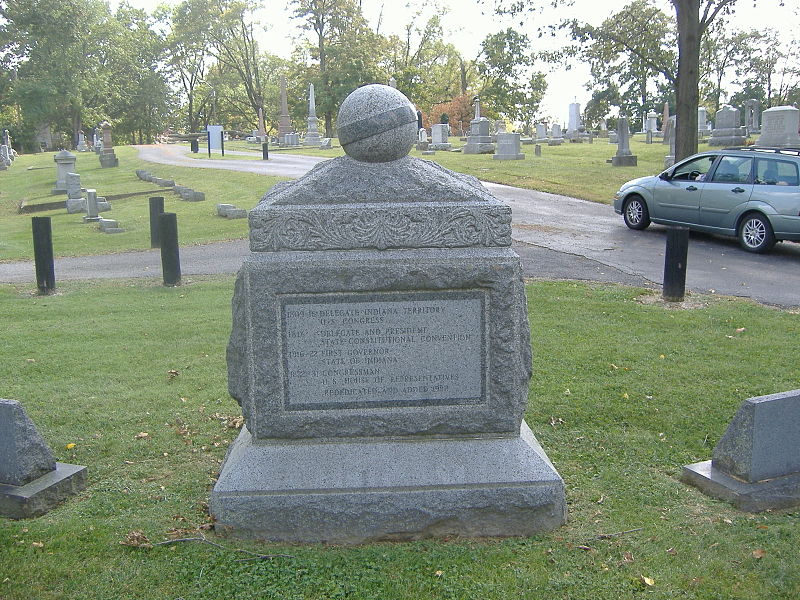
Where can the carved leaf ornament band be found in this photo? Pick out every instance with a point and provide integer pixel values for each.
(364, 227)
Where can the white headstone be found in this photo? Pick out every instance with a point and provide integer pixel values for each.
(574, 122)
(779, 127)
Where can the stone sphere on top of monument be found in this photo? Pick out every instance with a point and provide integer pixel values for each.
(377, 123)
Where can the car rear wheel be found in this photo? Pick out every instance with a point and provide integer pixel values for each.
(755, 233)
(635, 213)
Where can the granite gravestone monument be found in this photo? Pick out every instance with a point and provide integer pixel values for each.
(380, 352)
(108, 158)
(31, 481)
(312, 133)
(624, 157)
(65, 163)
(779, 127)
(756, 463)
(727, 128)
(479, 140)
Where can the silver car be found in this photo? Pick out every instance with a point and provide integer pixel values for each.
(751, 193)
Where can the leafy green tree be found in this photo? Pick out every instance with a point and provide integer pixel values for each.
(428, 70)
(189, 53)
(631, 63)
(509, 88)
(721, 51)
(346, 52)
(232, 36)
(692, 19)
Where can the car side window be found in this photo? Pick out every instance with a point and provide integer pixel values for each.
(732, 169)
(694, 169)
(770, 171)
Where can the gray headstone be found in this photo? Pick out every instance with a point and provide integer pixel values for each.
(74, 189)
(508, 147)
(31, 481)
(25, 455)
(752, 116)
(624, 157)
(756, 463)
(312, 133)
(65, 163)
(392, 308)
(727, 128)
(92, 212)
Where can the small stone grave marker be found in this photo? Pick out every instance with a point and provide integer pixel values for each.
(31, 481)
(756, 463)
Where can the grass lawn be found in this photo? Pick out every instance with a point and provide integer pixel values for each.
(624, 393)
(197, 221)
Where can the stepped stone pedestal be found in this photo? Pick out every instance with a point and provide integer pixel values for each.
(380, 353)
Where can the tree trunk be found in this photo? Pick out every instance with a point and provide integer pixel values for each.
(329, 124)
(687, 94)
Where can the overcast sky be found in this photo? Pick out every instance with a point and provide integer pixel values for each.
(466, 26)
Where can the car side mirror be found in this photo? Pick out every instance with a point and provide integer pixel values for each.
(665, 176)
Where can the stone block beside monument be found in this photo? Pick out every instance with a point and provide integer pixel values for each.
(31, 481)
(380, 352)
(508, 147)
(756, 463)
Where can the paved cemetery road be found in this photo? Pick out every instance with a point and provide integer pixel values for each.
(287, 165)
(557, 237)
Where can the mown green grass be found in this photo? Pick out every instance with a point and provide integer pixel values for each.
(197, 221)
(623, 394)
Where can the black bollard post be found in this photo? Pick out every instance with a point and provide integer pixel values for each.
(209, 144)
(156, 208)
(195, 146)
(265, 151)
(170, 258)
(675, 264)
(222, 142)
(43, 254)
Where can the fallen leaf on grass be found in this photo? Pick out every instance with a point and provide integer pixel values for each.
(627, 557)
(759, 553)
(172, 373)
(672, 551)
(648, 581)
(136, 539)
(37, 544)
(70, 446)
(141, 435)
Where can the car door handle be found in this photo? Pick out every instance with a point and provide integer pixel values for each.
(737, 190)
(692, 188)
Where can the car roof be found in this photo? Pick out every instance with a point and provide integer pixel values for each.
(794, 152)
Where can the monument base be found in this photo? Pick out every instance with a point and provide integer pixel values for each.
(357, 490)
(780, 492)
(519, 156)
(478, 148)
(727, 141)
(76, 205)
(108, 160)
(624, 161)
(40, 495)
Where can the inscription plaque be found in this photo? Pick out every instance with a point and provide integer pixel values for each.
(383, 349)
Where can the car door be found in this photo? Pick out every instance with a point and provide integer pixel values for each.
(676, 196)
(727, 189)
